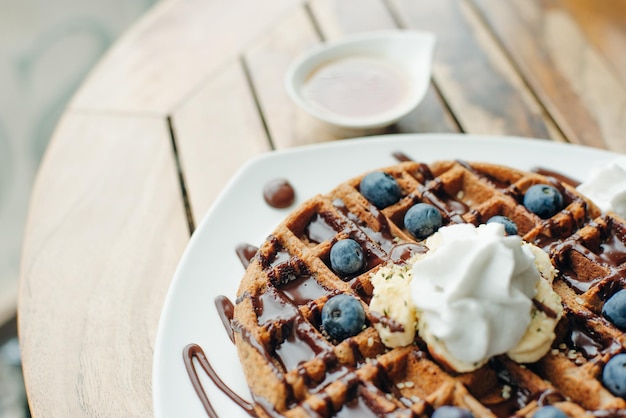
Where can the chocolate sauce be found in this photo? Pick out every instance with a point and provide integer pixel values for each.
(450, 208)
(300, 344)
(226, 310)
(245, 253)
(385, 321)
(271, 306)
(279, 193)
(194, 351)
(400, 253)
(556, 175)
(401, 157)
(303, 290)
(320, 228)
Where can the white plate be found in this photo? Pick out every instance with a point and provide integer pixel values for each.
(210, 267)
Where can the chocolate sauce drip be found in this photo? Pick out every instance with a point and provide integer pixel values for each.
(303, 290)
(321, 227)
(194, 351)
(401, 157)
(424, 171)
(271, 306)
(301, 343)
(385, 321)
(245, 253)
(586, 340)
(279, 193)
(450, 208)
(226, 310)
(519, 396)
(544, 308)
(556, 175)
(400, 253)
(497, 183)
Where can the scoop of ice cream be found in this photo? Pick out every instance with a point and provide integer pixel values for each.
(470, 297)
(606, 186)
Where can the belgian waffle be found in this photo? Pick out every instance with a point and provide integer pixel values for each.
(294, 369)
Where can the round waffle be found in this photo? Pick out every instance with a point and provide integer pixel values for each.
(295, 369)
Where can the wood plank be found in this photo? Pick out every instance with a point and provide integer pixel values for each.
(604, 23)
(267, 61)
(158, 64)
(338, 18)
(105, 232)
(216, 131)
(474, 75)
(575, 83)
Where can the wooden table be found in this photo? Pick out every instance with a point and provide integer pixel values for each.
(194, 90)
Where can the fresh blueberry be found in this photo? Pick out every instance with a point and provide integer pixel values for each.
(549, 412)
(543, 200)
(422, 220)
(342, 316)
(380, 188)
(615, 309)
(452, 412)
(509, 226)
(346, 257)
(614, 375)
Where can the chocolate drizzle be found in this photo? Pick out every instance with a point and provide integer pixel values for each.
(245, 253)
(279, 193)
(194, 352)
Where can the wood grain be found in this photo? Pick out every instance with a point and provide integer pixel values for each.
(267, 60)
(604, 25)
(573, 81)
(216, 131)
(105, 232)
(158, 63)
(473, 74)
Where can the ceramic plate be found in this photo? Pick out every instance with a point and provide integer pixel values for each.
(210, 267)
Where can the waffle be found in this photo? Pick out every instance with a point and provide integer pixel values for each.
(294, 369)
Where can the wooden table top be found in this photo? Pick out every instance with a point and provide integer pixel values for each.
(195, 89)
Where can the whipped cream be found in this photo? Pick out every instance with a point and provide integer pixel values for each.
(606, 186)
(470, 297)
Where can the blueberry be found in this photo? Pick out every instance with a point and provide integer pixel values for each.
(614, 375)
(543, 200)
(422, 220)
(346, 257)
(509, 226)
(452, 412)
(615, 309)
(380, 188)
(549, 412)
(342, 317)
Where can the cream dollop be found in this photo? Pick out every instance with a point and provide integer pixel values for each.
(474, 290)
(606, 186)
(506, 267)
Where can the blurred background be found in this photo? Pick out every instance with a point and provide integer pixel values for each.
(46, 50)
